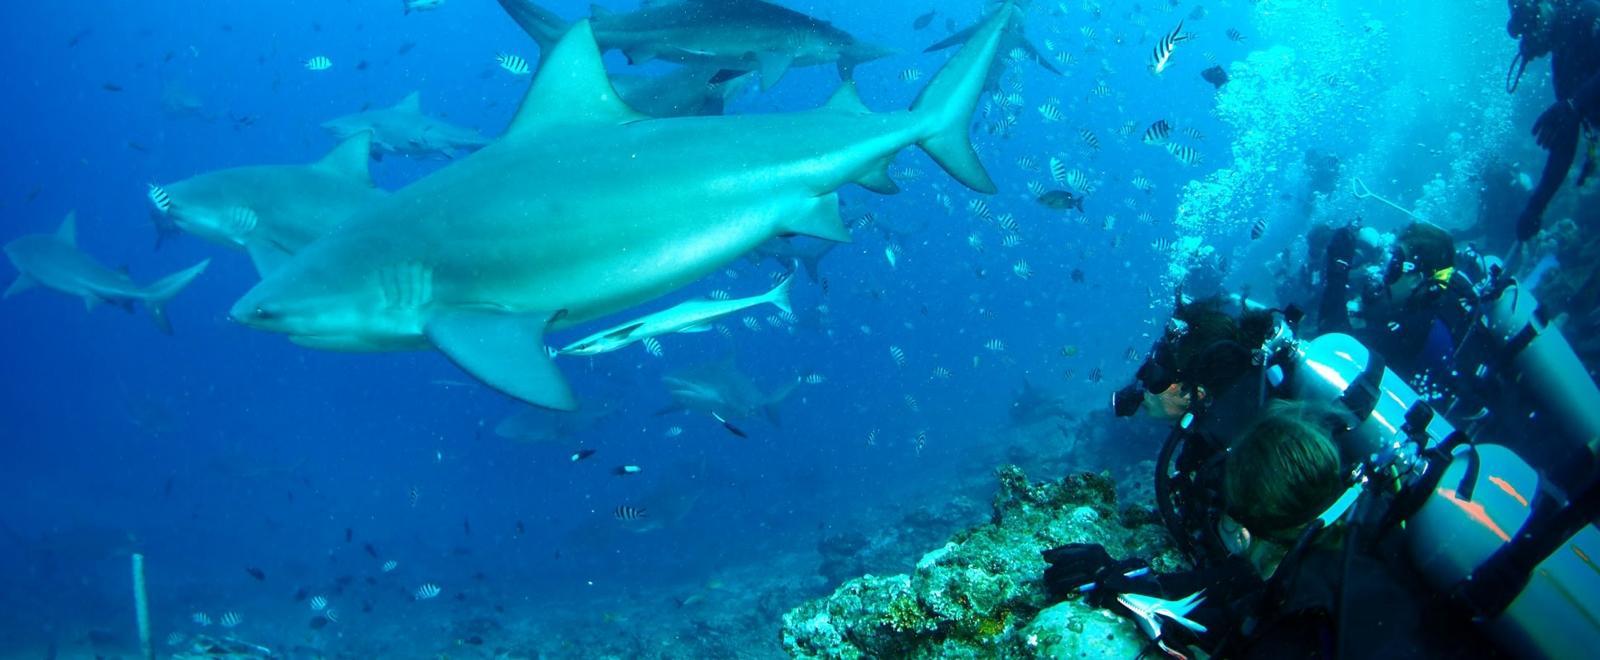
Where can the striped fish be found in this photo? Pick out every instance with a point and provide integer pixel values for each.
(1078, 181)
(1184, 153)
(1126, 129)
(912, 405)
(1158, 132)
(1027, 163)
(1146, 219)
(1089, 139)
(159, 197)
(1161, 56)
(898, 355)
(910, 75)
(319, 63)
(1022, 270)
(1064, 58)
(1051, 113)
(1193, 132)
(1011, 241)
(652, 346)
(1006, 222)
(751, 324)
(1235, 35)
(1036, 189)
(1140, 182)
(1100, 89)
(1162, 245)
(980, 208)
(941, 373)
(627, 513)
(1258, 229)
(1058, 171)
(513, 64)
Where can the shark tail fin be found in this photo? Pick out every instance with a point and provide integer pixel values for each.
(945, 106)
(544, 26)
(163, 290)
(779, 295)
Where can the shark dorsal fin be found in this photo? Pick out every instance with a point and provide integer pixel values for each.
(68, 231)
(571, 88)
(411, 103)
(350, 158)
(846, 99)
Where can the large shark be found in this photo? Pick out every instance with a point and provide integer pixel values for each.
(743, 35)
(272, 211)
(403, 129)
(1033, 405)
(1012, 42)
(721, 390)
(684, 91)
(585, 208)
(55, 262)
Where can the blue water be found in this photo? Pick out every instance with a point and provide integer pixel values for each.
(221, 448)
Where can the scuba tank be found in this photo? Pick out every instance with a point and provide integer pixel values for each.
(1465, 506)
(1538, 360)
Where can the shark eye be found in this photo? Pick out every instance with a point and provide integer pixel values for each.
(265, 313)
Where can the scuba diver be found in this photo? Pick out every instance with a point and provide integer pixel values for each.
(1569, 31)
(1329, 510)
(1291, 573)
(1431, 311)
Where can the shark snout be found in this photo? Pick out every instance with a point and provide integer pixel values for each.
(253, 313)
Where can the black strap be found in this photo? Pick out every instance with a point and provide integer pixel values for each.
(1495, 583)
(1362, 395)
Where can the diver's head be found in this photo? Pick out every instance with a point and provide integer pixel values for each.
(1532, 22)
(1284, 471)
(1203, 350)
(1421, 262)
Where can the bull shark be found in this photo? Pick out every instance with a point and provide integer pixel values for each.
(742, 35)
(722, 391)
(585, 207)
(689, 316)
(1013, 40)
(685, 91)
(55, 262)
(403, 129)
(272, 211)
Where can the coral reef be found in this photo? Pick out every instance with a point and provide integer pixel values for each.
(982, 594)
(893, 548)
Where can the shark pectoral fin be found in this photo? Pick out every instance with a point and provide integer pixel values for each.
(877, 179)
(22, 283)
(846, 99)
(267, 257)
(68, 231)
(773, 66)
(821, 220)
(350, 158)
(505, 351)
(571, 88)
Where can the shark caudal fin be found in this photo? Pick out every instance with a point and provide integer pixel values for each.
(163, 290)
(945, 106)
(779, 295)
(544, 26)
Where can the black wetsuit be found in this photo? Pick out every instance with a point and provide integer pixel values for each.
(1575, 71)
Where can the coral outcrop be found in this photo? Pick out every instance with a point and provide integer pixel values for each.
(982, 593)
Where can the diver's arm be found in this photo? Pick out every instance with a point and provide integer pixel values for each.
(1562, 153)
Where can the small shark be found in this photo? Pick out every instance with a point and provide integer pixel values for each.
(741, 35)
(690, 316)
(809, 252)
(685, 91)
(722, 391)
(272, 211)
(54, 261)
(585, 207)
(422, 5)
(403, 129)
(1033, 405)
